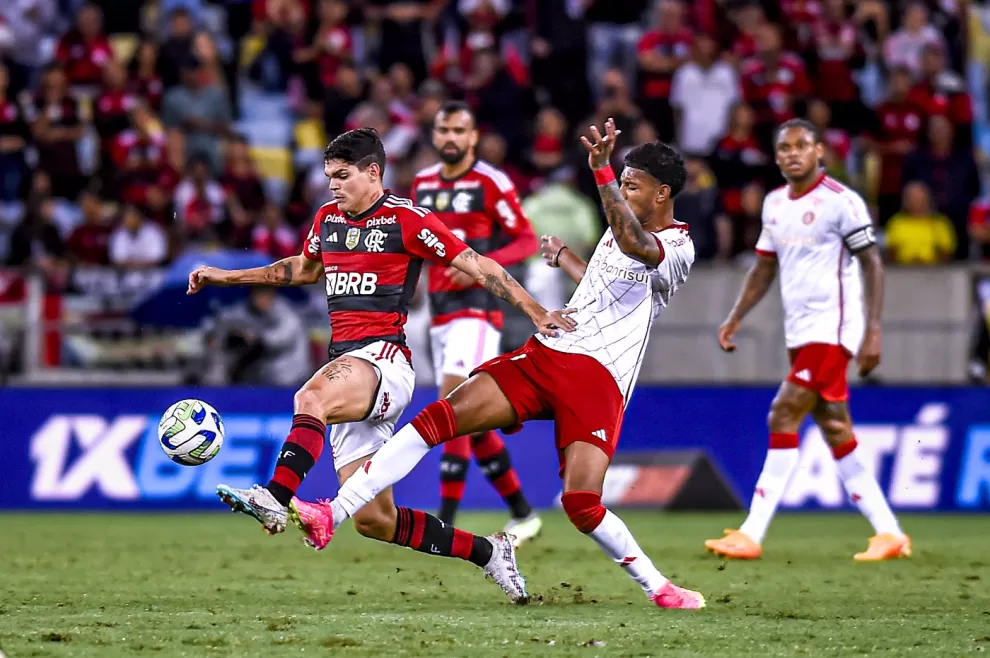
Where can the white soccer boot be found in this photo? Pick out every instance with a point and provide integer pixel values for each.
(257, 502)
(503, 570)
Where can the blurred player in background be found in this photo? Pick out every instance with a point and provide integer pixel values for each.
(818, 233)
(370, 245)
(583, 379)
(479, 204)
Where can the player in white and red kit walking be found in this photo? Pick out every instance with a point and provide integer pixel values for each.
(581, 380)
(479, 204)
(370, 245)
(819, 234)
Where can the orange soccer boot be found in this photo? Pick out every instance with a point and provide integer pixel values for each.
(885, 546)
(735, 545)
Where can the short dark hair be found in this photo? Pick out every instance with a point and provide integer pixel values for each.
(662, 162)
(360, 147)
(797, 123)
(452, 106)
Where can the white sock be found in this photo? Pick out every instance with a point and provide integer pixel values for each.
(865, 493)
(777, 471)
(613, 537)
(389, 465)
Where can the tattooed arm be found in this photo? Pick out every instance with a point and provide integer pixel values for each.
(500, 283)
(293, 271)
(631, 238)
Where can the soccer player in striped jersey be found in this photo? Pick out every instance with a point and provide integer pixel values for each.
(819, 235)
(479, 204)
(581, 380)
(370, 246)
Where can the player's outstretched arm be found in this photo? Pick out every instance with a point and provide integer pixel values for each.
(630, 236)
(556, 254)
(869, 352)
(293, 271)
(758, 281)
(500, 283)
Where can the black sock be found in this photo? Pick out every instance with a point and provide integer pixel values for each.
(453, 475)
(428, 534)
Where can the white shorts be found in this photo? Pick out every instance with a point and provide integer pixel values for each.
(461, 345)
(396, 379)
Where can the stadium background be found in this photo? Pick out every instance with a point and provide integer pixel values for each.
(138, 139)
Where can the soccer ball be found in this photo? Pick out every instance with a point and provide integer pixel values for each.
(191, 432)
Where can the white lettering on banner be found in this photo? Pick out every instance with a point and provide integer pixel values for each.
(103, 462)
(917, 452)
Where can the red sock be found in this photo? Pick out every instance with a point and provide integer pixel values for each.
(436, 423)
(838, 452)
(584, 509)
(299, 453)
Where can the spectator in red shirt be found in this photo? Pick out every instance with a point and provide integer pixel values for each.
(896, 123)
(84, 50)
(802, 20)
(144, 80)
(838, 53)
(979, 228)
(548, 142)
(941, 91)
(950, 172)
(137, 155)
(88, 244)
(738, 160)
(748, 20)
(661, 51)
(273, 236)
(774, 83)
(837, 143)
(111, 116)
(245, 194)
(58, 123)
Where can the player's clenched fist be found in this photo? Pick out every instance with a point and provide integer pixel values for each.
(201, 277)
(550, 248)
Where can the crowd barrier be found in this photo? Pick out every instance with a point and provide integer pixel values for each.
(97, 450)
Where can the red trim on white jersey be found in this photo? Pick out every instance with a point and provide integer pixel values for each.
(818, 181)
(766, 254)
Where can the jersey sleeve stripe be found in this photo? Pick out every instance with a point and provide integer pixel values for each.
(501, 180)
(765, 253)
(663, 253)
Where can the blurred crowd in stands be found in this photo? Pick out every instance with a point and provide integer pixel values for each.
(130, 130)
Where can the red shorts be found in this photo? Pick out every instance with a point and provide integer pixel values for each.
(821, 368)
(573, 390)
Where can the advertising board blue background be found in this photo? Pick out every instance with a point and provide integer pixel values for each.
(97, 449)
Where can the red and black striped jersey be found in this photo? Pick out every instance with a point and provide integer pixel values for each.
(482, 208)
(372, 262)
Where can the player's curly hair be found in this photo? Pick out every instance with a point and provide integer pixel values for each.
(797, 123)
(359, 147)
(661, 161)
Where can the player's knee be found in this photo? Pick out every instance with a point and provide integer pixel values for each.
(375, 523)
(784, 412)
(836, 431)
(584, 509)
(308, 400)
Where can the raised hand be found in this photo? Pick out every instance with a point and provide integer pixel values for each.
(600, 148)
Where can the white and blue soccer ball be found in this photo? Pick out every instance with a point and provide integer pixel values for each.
(191, 432)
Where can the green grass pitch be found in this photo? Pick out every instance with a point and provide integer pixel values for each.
(215, 585)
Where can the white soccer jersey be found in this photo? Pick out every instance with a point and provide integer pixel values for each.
(820, 282)
(617, 301)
